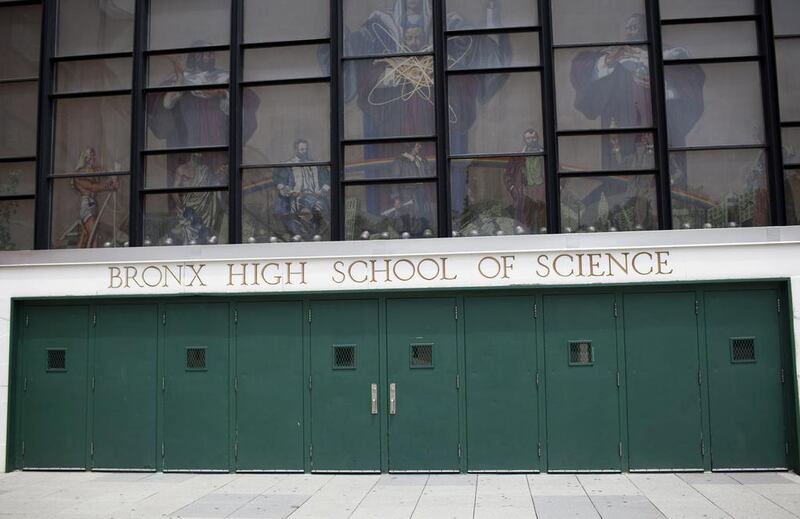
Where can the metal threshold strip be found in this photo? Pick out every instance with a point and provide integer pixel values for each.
(535, 471)
(423, 472)
(108, 469)
(270, 471)
(644, 471)
(753, 469)
(58, 469)
(201, 471)
(325, 471)
(581, 471)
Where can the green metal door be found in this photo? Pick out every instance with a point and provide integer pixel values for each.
(345, 424)
(745, 380)
(583, 431)
(196, 387)
(665, 426)
(502, 402)
(269, 386)
(423, 393)
(124, 388)
(55, 354)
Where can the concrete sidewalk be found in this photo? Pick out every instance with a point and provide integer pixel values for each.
(91, 495)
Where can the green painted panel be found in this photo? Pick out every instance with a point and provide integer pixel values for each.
(422, 349)
(582, 395)
(747, 420)
(55, 352)
(196, 397)
(502, 410)
(126, 387)
(269, 399)
(344, 364)
(662, 360)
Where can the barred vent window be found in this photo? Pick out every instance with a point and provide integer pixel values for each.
(196, 358)
(344, 357)
(422, 355)
(581, 353)
(57, 360)
(743, 349)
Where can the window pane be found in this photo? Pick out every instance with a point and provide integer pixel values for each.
(714, 105)
(390, 159)
(710, 40)
(492, 113)
(391, 211)
(598, 21)
(287, 116)
(792, 183)
(671, 9)
(472, 14)
(787, 55)
(102, 74)
(499, 195)
(187, 118)
(619, 151)
(387, 27)
(622, 203)
(791, 145)
(90, 211)
(92, 27)
(295, 62)
(719, 188)
(186, 170)
(603, 88)
(285, 20)
(92, 135)
(477, 51)
(196, 68)
(286, 204)
(393, 97)
(189, 23)
(186, 218)
(18, 117)
(16, 224)
(20, 34)
(786, 17)
(17, 178)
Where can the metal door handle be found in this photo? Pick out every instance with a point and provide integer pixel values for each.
(374, 397)
(392, 398)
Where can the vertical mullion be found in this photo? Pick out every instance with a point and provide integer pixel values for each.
(235, 124)
(44, 130)
(441, 114)
(659, 109)
(136, 217)
(550, 125)
(337, 190)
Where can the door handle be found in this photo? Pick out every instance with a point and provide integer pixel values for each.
(392, 398)
(374, 398)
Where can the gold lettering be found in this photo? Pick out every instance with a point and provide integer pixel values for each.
(350, 271)
(541, 260)
(496, 265)
(377, 270)
(276, 279)
(593, 264)
(508, 265)
(435, 264)
(663, 263)
(622, 266)
(129, 277)
(196, 271)
(580, 265)
(336, 266)
(398, 276)
(114, 273)
(555, 265)
(444, 271)
(636, 269)
(242, 274)
(302, 273)
(155, 269)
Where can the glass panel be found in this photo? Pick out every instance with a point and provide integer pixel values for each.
(16, 224)
(469, 14)
(671, 9)
(499, 195)
(285, 20)
(785, 17)
(389, 211)
(614, 203)
(189, 23)
(18, 117)
(187, 118)
(603, 88)
(17, 178)
(288, 117)
(393, 97)
(90, 211)
(196, 68)
(792, 188)
(20, 29)
(598, 21)
(714, 105)
(286, 204)
(477, 51)
(186, 218)
(791, 145)
(300, 61)
(92, 27)
(186, 170)
(92, 135)
(387, 27)
(787, 55)
(710, 40)
(493, 113)
(619, 151)
(390, 160)
(102, 74)
(724, 188)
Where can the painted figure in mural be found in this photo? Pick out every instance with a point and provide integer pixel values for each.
(410, 209)
(200, 214)
(304, 194)
(524, 182)
(88, 187)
